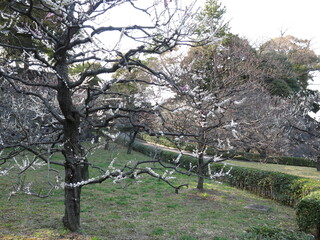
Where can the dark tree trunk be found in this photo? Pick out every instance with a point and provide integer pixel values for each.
(132, 139)
(71, 218)
(263, 154)
(200, 172)
(201, 165)
(106, 143)
(76, 165)
(96, 138)
(318, 163)
(76, 170)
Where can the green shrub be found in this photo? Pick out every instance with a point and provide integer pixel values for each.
(285, 188)
(272, 233)
(308, 213)
(295, 161)
(144, 149)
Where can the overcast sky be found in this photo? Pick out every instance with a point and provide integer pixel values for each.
(260, 20)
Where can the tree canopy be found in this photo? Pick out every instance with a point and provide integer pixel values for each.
(288, 62)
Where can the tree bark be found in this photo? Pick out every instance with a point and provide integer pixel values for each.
(71, 218)
(76, 170)
(318, 163)
(200, 172)
(106, 143)
(201, 165)
(76, 164)
(263, 154)
(132, 139)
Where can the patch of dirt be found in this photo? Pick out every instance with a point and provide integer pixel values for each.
(206, 194)
(45, 236)
(74, 236)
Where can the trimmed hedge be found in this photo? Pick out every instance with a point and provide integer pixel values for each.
(293, 161)
(308, 214)
(285, 188)
(253, 157)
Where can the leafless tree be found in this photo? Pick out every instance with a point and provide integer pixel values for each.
(69, 32)
(261, 122)
(303, 126)
(212, 81)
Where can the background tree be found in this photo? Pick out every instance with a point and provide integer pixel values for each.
(288, 63)
(69, 36)
(261, 122)
(303, 126)
(212, 79)
(285, 68)
(261, 117)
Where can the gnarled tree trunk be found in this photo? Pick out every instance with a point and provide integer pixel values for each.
(76, 165)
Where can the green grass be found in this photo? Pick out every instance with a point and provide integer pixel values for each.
(307, 172)
(147, 209)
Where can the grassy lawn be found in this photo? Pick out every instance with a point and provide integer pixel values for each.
(307, 172)
(147, 209)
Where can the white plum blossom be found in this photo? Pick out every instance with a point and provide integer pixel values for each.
(229, 144)
(99, 113)
(220, 143)
(240, 102)
(235, 133)
(217, 158)
(209, 169)
(110, 112)
(166, 173)
(5, 171)
(119, 178)
(231, 125)
(111, 164)
(178, 158)
(113, 136)
(219, 174)
(195, 153)
(153, 173)
(220, 104)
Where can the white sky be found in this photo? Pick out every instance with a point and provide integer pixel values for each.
(260, 20)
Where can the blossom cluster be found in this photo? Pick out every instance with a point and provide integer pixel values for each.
(218, 174)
